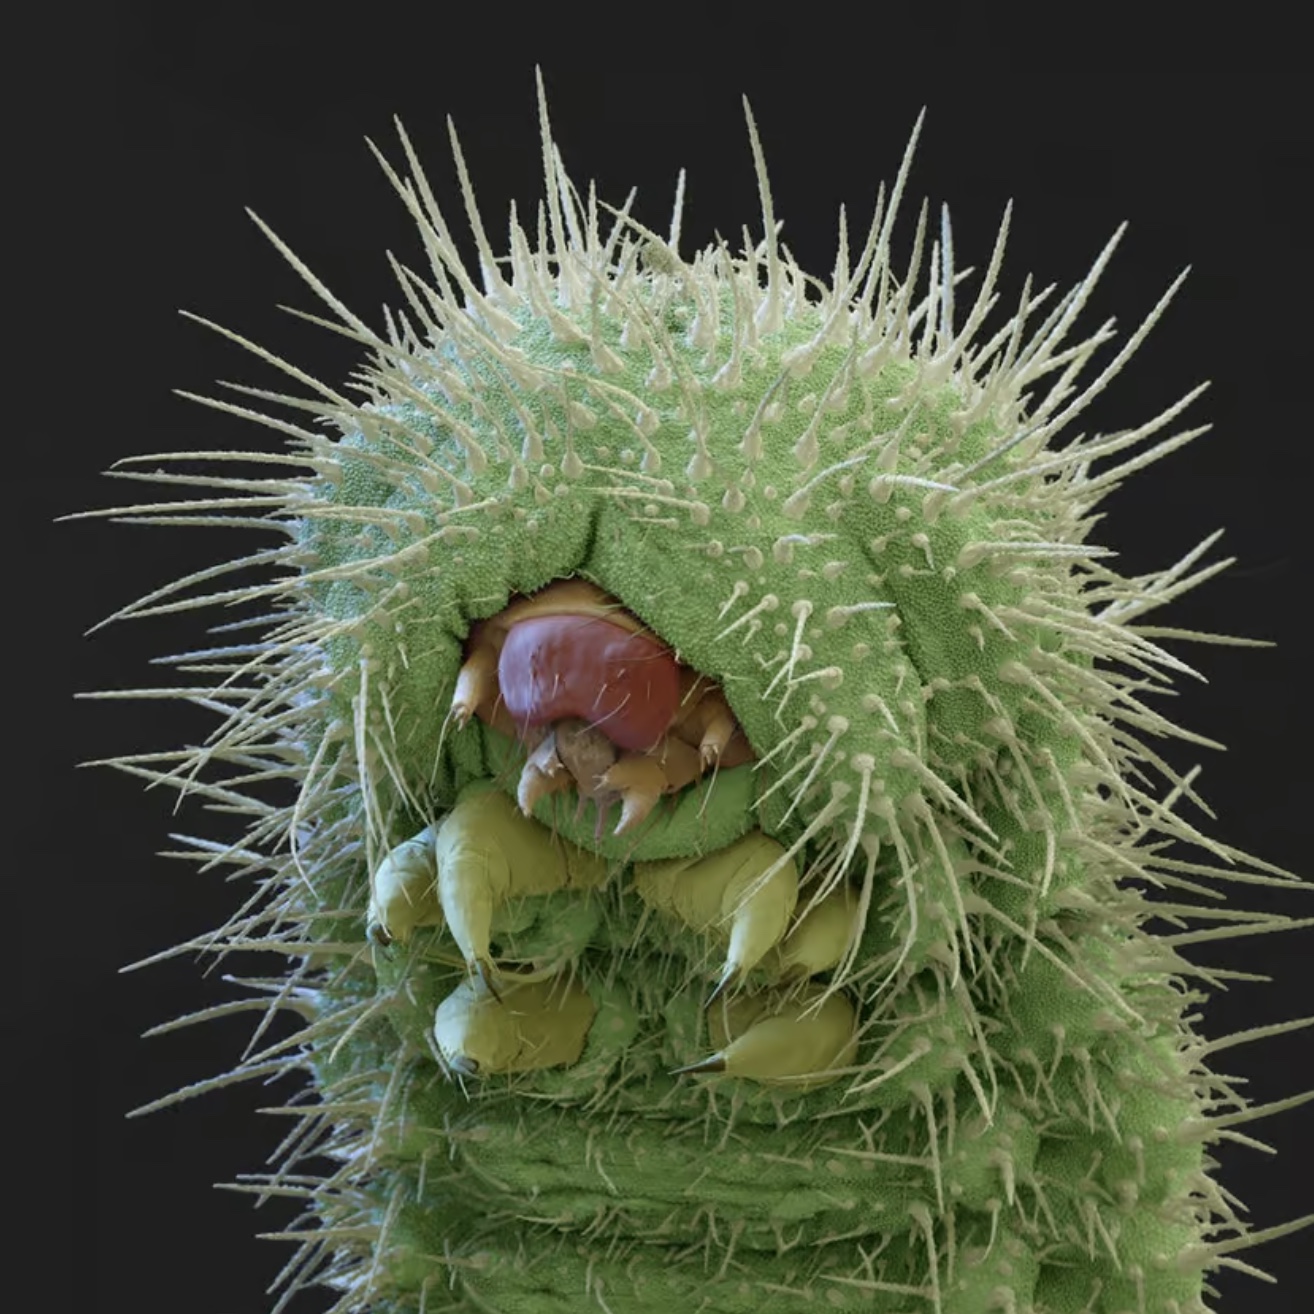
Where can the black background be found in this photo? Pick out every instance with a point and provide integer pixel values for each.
(140, 134)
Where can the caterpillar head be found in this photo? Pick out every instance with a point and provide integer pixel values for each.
(832, 500)
(837, 523)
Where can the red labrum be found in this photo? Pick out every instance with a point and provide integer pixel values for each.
(556, 667)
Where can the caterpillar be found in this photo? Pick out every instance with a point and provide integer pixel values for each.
(845, 997)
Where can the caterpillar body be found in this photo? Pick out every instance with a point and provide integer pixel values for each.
(844, 996)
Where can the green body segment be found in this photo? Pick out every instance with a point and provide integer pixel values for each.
(843, 511)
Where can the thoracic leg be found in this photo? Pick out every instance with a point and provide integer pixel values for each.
(404, 891)
(744, 893)
(800, 1040)
(487, 852)
(530, 1025)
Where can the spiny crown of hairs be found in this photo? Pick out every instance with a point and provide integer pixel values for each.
(592, 288)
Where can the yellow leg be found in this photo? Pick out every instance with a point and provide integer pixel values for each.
(486, 853)
(530, 1025)
(744, 893)
(799, 1041)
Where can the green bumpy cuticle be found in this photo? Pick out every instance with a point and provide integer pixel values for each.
(855, 524)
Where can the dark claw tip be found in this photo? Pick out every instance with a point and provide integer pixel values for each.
(713, 1064)
(487, 975)
(728, 978)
